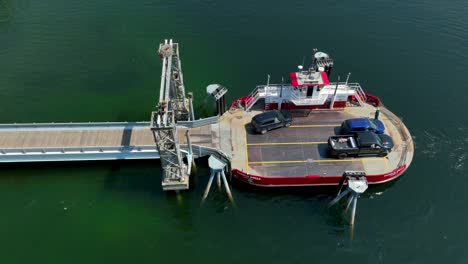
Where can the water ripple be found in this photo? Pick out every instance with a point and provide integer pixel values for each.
(432, 143)
(6, 11)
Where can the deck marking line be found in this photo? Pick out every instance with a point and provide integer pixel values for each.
(278, 162)
(288, 143)
(387, 164)
(304, 161)
(349, 160)
(301, 126)
(246, 151)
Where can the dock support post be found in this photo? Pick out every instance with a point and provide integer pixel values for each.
(217, 167)
(190, 100)
(218, 92)
(218, 180)
(357, 184)
(348, 203)
(190, 158)
(208, 186)
(226, 186)
(353, 209)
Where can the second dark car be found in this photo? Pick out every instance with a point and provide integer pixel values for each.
(270, 120)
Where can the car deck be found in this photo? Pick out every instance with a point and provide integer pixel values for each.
(302, 149)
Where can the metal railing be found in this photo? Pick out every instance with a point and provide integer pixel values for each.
(78, 153)
(405, 136)
(202, 151)
(199, 123)
(64, 126)
(252, 97)
(359, 93)
(58, 150)
(99, 153)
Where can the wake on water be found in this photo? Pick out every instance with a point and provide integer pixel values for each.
(434, 143)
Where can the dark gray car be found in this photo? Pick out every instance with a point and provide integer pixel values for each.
(360, 144)
(270, 120)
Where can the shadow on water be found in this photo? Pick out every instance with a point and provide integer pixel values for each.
(206, 108)
(134, 176)
(122, 175)
(127, 176)
(146, 175)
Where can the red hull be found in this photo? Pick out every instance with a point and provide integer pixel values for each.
(310, 180)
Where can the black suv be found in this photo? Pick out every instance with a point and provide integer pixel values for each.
(270, 120)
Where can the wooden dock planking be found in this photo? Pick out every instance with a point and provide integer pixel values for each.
(141, 136)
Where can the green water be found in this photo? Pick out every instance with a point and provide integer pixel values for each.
(67, 61)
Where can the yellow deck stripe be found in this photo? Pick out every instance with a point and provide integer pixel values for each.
(304, 161)
(344, 160)
(246, 152)
(387, 164)
(278, 162)
(288, 143)
(299, 126)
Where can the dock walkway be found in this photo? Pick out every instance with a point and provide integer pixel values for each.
(87, 141)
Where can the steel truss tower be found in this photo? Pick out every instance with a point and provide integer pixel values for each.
(172, 107)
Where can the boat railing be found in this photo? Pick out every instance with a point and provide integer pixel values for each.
(298, 100)
(358, 92)
(251, 99)
(405, 136)
(261, 91)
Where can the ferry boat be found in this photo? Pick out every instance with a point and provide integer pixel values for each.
(298, 155)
